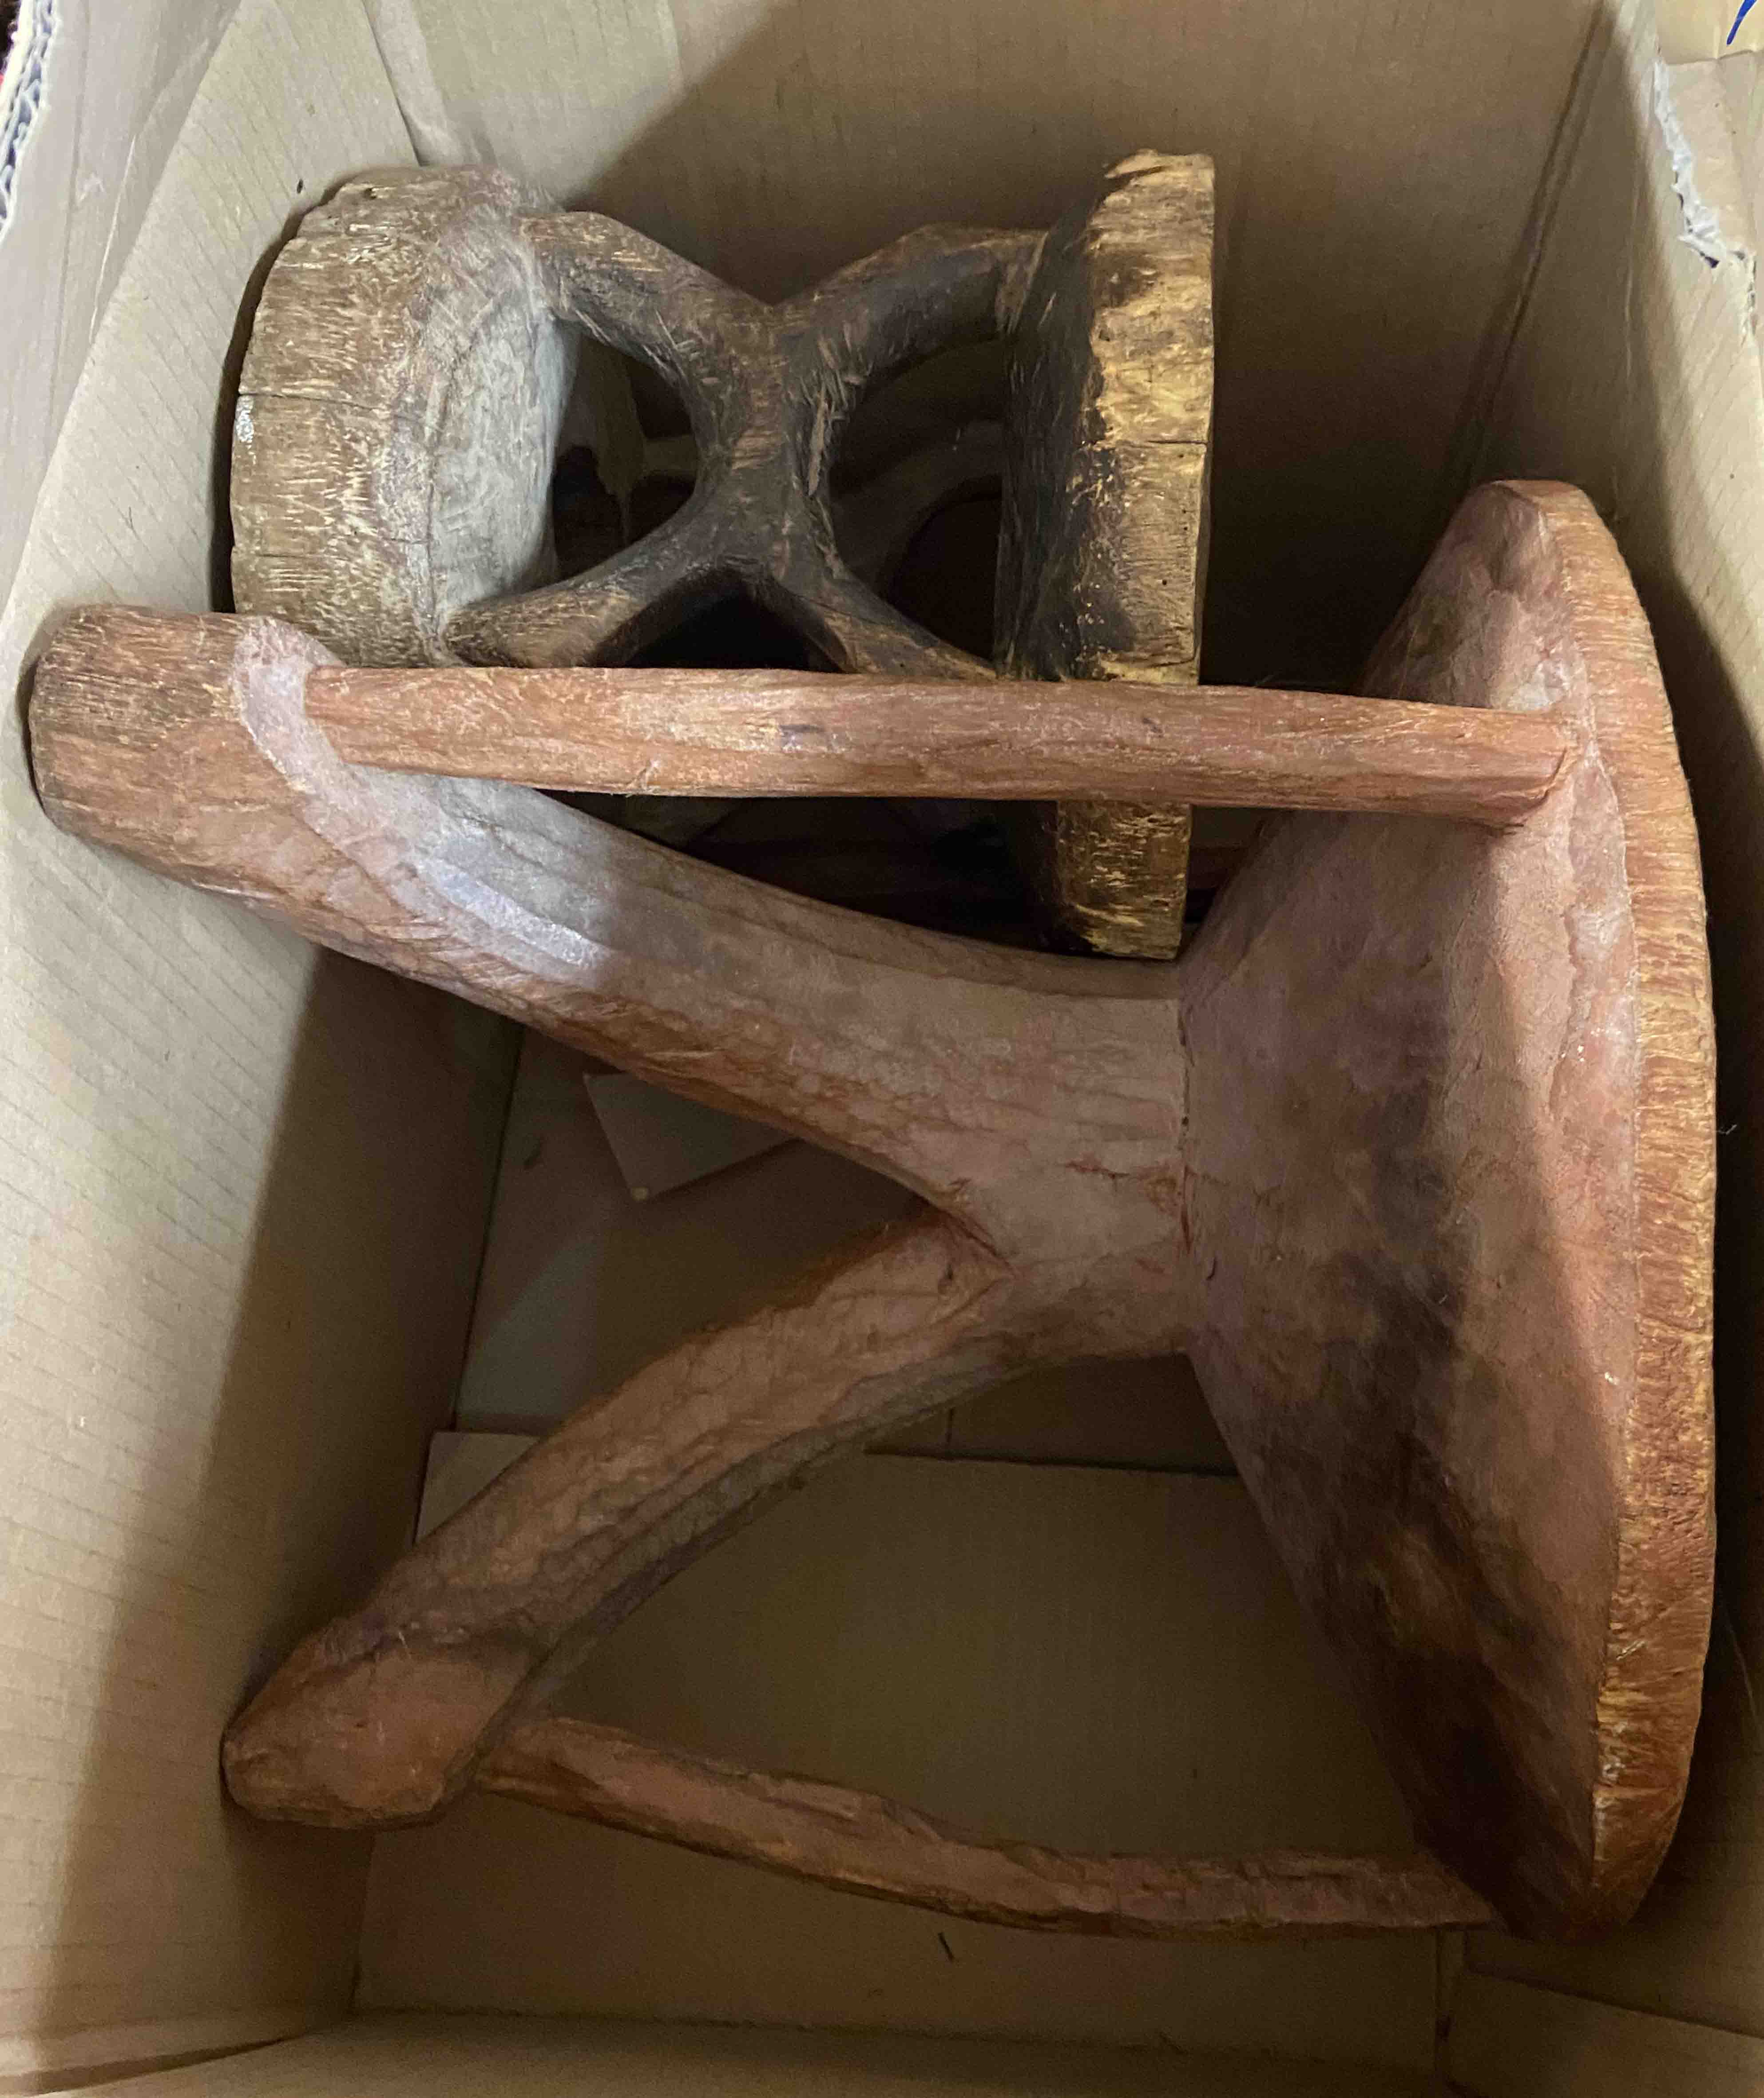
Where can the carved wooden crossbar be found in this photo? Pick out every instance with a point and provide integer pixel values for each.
(1411, 1152)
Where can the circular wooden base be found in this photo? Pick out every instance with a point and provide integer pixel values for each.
(1450, 1178)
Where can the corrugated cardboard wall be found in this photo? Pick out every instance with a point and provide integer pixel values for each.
(417, 2057)
(241, 1189)
(1634, 369)
(196, 1386)
(1094, 1657)
(88, 166)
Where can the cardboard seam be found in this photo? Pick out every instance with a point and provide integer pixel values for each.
(402, 47)
(1468, 451)
(75, 2060)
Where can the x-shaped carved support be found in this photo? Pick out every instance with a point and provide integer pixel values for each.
(400, 408)
(769, 390)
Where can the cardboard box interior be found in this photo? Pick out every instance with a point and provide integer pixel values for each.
(248, 1189)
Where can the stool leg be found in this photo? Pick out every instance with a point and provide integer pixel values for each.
(381, 1716)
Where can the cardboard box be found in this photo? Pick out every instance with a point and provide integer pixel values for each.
(247, 1188)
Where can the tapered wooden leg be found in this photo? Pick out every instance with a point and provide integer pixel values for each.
(380, 1717)
(769, 390)
(636, 595)
(797, 732)
(839, 1837)
(975, 1075)
(391, 483)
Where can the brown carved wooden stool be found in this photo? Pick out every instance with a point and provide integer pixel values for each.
(400, 406)
(1411, 1152)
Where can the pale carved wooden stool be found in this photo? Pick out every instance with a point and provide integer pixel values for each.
(1411, 1152)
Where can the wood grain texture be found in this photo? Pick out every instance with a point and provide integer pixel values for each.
(185, 742)
(1412, 1154)
(769, 389)
(869, 1845)
(393, 463)
(1102, 554)
(760, 732)
(398, 415)
(384, 1715)
(1502, 1367)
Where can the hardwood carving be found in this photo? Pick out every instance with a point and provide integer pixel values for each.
(1102, 557)
(809, 1830)
(400, 399)
(1411, 1152)
(759, 732)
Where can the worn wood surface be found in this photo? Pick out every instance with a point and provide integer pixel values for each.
(1412, 1154)
(1514, 1558)
(872, 1845)
(393, 448)
(391, 459)
(397, 415)
(1102, 552)
(759, 732)
(878, 520)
